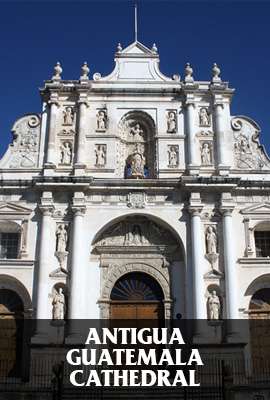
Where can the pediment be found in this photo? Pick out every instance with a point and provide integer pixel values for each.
(13, 209)
(257, 209)
(137, 48)
(135, 63)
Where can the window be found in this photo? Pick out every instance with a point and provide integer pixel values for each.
(9, 245)
(262, 243)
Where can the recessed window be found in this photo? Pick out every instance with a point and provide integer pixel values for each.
(262, 243)
(9, 245)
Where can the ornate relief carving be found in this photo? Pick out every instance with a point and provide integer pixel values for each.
(137, 231)
(102, 120)
(173, 156)
(137, 149)
(171, 122)
(248, 153)
(206, 153)
(101, 155)
(117, 271)
(204, 117)
(136, 200)
(25, 146)
(68, 116)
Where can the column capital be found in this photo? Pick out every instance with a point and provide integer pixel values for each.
(46, 210)
(195, 210)
(83, 99)
(78, 210)
(54, 99)
(226, 211)
(189, 100)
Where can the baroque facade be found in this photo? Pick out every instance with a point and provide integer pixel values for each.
(134, 190)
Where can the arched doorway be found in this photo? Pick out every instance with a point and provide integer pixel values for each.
(136, 295)
(11, 332)
(259, 314)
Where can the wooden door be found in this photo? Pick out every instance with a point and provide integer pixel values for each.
(147, 310)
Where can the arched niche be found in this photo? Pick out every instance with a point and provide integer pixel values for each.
(138, 244)
(138, 149)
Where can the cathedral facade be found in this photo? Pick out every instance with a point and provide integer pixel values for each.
(135, 195)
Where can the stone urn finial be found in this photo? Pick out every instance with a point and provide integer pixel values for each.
(119, 48)
(85, 71)
(57, 72)
(188, 73)
(154, 48)
(215, 73)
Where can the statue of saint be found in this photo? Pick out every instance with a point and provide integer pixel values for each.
(137, 132)
(68, 116)
(58, 305)
(136, 235)
(101, 121)
(61, 239)
(206, 154)
(214, 306)
(100, 156)
(137, 165)
(171, 122)
(204, 117)
(211, 241)
(66, 153)
(173, 157)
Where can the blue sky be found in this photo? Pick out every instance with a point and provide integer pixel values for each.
(34, 35)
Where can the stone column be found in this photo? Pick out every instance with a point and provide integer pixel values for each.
(199, 309)
(230, 264)
(77, 296)
(193, 165)
(80, 153)
(219, 117)
(54, 105)
(44, 268)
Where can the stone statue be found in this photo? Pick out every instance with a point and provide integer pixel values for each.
(58, 305)
(214, 306)
(136, 235)
(101, 121)
(61, 236)
(100, 155)
(206, 154)
(211, 241)
(173, 156)
(204, 117)
(66, 153)
(137, 165)
(171, 122)
(68, 116)
(137, 132)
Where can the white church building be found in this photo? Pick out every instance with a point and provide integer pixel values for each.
(135, 195)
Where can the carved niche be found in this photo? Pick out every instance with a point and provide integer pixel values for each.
(137, 232)
(136, 157)
(25, 146)
(248, 152)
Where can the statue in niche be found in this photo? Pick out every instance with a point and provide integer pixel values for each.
(206, 154)
(211, 240)
(173, 156)
(137, 165)
(58, 305)
(171, 122)
(214, 306)
(100, 155)
(136, 235)
(101, 121)
(68, 116)
(61, 239)
(204, 117)
(66, 153)
(137, 132)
